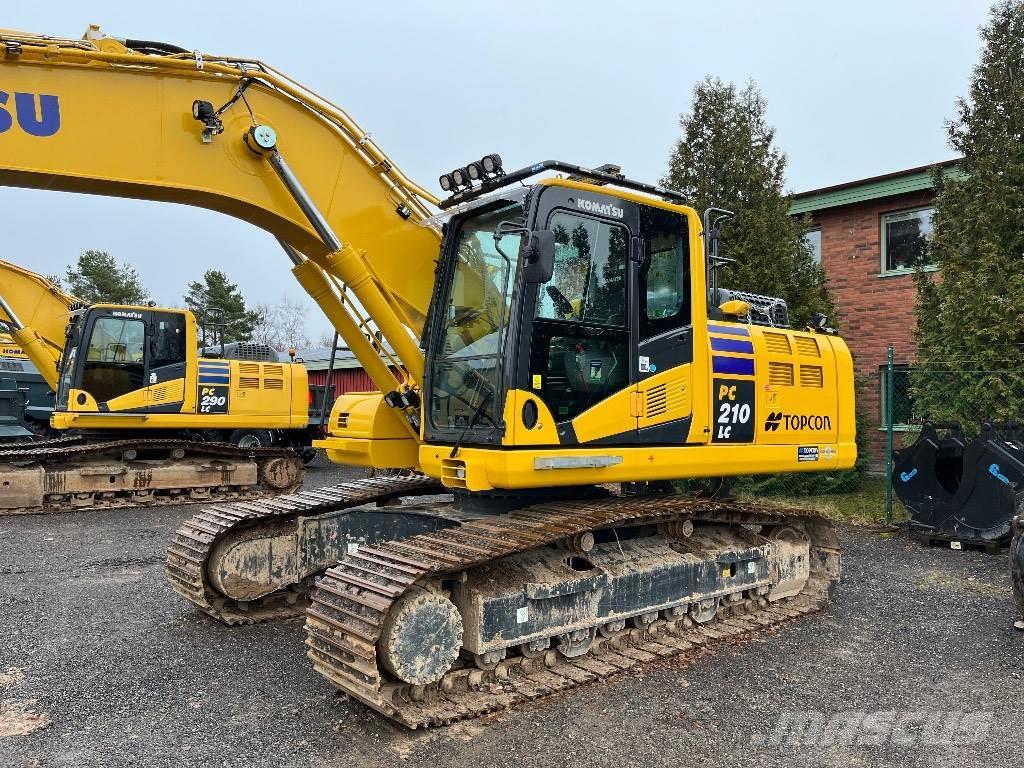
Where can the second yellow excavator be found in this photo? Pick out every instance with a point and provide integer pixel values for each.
(560, 347)
(146, 418)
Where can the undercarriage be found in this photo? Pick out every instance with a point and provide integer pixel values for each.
(74, 473)
(431, 612)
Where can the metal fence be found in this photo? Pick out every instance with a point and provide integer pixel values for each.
(956, 394)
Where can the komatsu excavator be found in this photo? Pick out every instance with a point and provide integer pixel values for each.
(560, 346)
(21, 374)
(152, 421)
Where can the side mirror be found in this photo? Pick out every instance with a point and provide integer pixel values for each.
(539, 253)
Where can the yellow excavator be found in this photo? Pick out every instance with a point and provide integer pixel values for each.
(553, 347)
(147, 418)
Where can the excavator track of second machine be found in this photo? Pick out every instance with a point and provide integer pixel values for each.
(73, 473)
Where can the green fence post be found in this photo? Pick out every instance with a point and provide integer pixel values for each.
(888, 434)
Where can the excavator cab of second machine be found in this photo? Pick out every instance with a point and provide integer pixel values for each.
(116, 355)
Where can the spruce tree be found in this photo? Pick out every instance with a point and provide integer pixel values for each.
(969, 331)
(726, 158)
(217, 292)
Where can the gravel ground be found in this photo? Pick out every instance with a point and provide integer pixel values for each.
(94, 643)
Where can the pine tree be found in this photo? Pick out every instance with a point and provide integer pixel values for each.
(98, 279)
(216, 292)
(726, 158)
(969, 313)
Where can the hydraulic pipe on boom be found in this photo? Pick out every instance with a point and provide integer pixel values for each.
(344, 261)
(39, 323)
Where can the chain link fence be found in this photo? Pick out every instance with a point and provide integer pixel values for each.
(954, 395)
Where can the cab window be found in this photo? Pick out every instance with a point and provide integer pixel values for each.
(168, 342)
(115, 358)
(665, 272)
(589, 279)
(579, 353)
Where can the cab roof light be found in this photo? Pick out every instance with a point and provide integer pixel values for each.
(497, 178)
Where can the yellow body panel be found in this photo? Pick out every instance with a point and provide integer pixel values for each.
(612, 416)
(8, 348)
(486, 469)
(260, 395)
(365, 432)
(545, 432)
(664, 397)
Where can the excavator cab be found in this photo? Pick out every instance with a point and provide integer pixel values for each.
(566, 296)
(126, 360)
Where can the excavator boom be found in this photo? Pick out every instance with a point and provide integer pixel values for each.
(93, 116)
(36, 314)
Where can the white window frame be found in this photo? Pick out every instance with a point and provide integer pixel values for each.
(884, 241)
(821, 244)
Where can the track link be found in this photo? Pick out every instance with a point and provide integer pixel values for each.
(351, 602)
(194, 542)
(42, 471)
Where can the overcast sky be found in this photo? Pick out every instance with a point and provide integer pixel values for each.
(854, 89)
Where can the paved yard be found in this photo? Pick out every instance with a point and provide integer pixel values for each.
(94, 643)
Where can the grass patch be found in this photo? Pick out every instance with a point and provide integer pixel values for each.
(865, 506)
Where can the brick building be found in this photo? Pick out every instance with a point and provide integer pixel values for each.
(868, 234)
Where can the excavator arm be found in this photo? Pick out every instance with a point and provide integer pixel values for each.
(35, 314)
(235, 136)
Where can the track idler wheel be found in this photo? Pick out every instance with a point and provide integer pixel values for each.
(282, 473)
(577, 642)
(421, 637)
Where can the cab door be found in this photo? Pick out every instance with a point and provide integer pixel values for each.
(580, 353)
(663, 319)
(166, 362)
(112, 373)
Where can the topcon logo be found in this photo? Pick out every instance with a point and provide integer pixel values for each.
(602, 209)
(37, 114)
(798, 422)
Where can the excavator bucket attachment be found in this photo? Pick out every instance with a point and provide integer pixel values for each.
(979, 505)
(927, 474)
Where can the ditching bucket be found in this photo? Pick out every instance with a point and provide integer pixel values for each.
(972, 496)
(927, 474)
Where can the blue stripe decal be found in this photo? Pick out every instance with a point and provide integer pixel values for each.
(732, 330)
(743, 346)
(738, 366)
(210, 379)
(212, 367)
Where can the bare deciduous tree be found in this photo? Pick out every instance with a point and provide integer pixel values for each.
(281, 325)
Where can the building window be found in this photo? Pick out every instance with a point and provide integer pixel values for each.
(813, 242)
(905, 240)
(903, 414)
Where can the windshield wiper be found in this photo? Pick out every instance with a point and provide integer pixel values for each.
(472, 421)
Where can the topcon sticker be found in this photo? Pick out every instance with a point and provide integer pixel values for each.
(807, 453)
